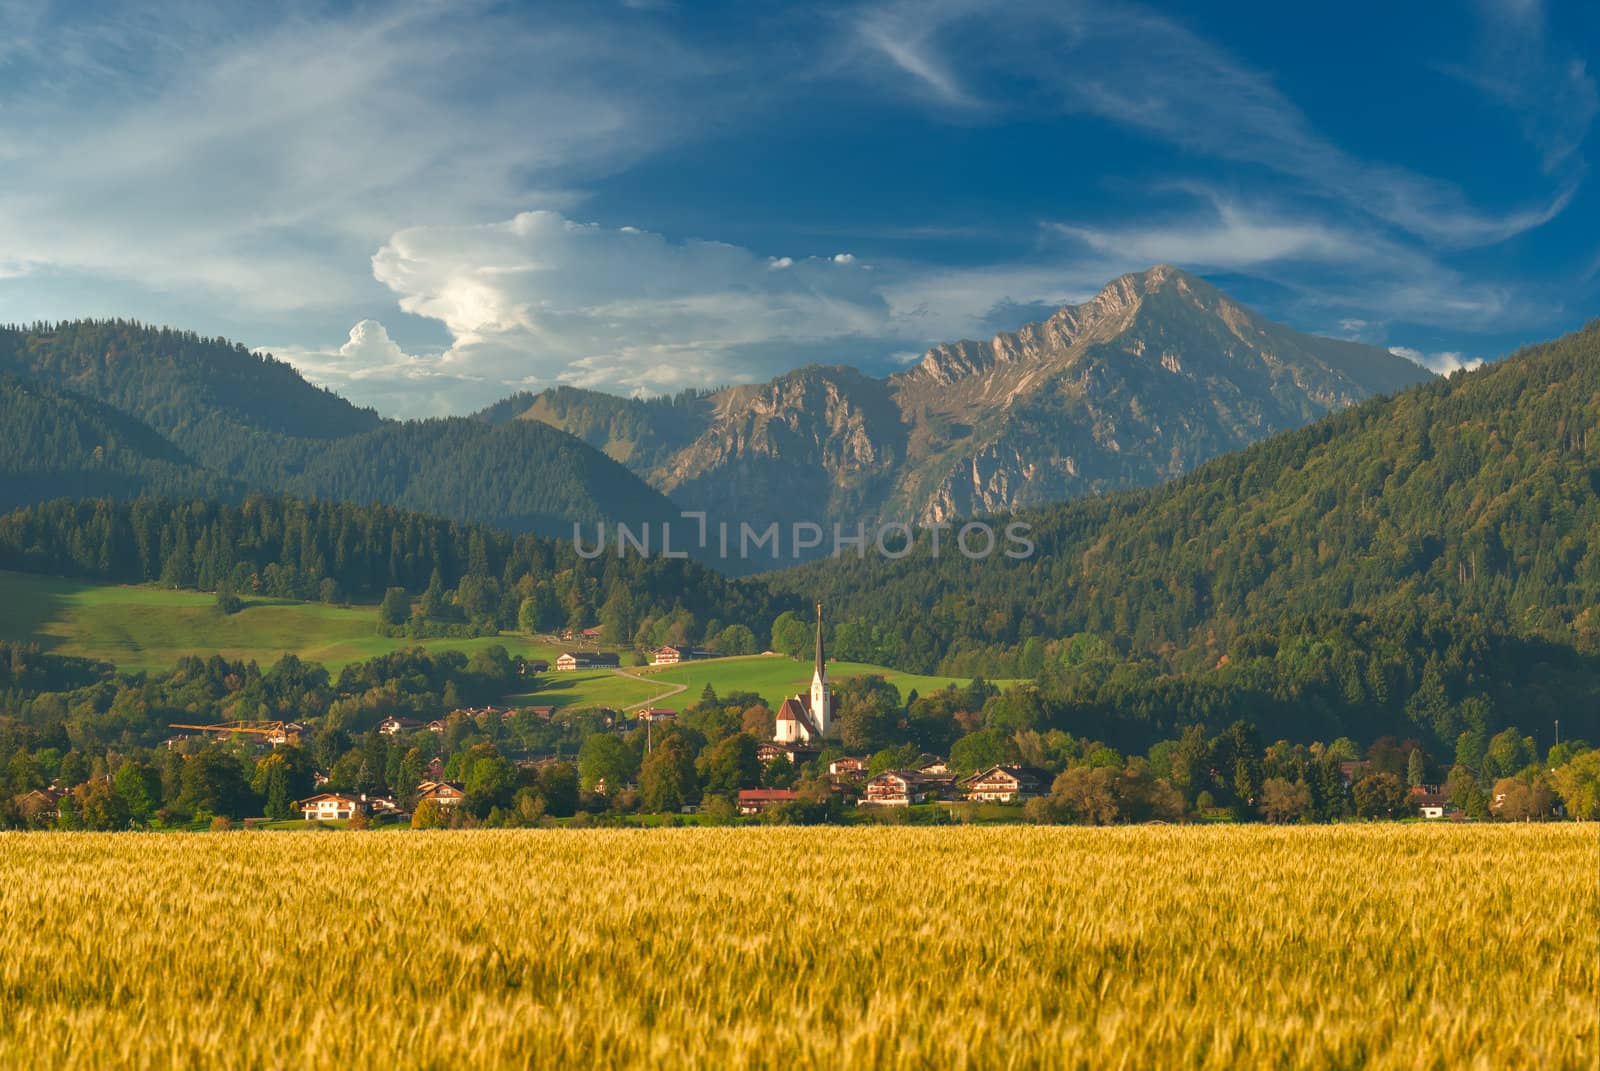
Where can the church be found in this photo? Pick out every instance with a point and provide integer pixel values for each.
(806, 719)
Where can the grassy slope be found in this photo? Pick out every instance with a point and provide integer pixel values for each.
(146, 628)
(149, 629)
(773, 677)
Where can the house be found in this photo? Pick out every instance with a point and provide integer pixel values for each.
(40, 804)
(591, 633)
(769, 751)
(756, 800)
(672, 655)
(542, 713)
(1002, 784)
(571, 660)
(847, 767)
(896, 788)
(444, 793)
(806, 719)
(396, 726)
(657, 715)
(933, 766)
(328, 806)
(1353, 770)
(1430, 802)
(437, 725)
(535, 665)
(434, 771)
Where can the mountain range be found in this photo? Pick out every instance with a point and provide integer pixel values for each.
(1474, 500)
(1156, 374)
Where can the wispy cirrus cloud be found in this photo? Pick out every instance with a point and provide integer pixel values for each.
(1146, 71)
(262, 159)
(1547, 84)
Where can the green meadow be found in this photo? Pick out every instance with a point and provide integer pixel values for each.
(149, 629)
(773, 677)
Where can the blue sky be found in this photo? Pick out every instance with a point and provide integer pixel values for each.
(428, 206)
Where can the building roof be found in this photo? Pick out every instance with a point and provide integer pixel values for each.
(767, 795)
(1019, 773)
(792, 709)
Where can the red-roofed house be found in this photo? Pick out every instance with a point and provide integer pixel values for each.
(756, 800)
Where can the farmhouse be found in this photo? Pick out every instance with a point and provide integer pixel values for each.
(327, 806)
(40, 804)
(1430, 803)
(657, 715)
(806, 719)
(896, 788)
(571, 660)
(396, 726)
(1353, 770)
(379, 804)
(847, 767)
(672, 655)
(444, 793)
(797, 754)
(1001, 784)
(756, 800)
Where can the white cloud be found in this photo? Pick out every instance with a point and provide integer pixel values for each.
(1444, 362)
(261, 158)
(1235, 238)
(546, 298)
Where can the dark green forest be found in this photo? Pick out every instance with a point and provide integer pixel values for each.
(236, 421)
(60, 444)
(288, 548)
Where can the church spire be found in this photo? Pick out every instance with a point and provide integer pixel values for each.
(819, 638)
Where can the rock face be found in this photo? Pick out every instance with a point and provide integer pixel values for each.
(1157, 373)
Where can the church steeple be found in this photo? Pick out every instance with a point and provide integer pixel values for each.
(819, 641)
(821, 701)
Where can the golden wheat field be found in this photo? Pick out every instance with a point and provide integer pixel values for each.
(1379, 946)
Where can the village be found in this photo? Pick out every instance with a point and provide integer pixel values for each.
(722, 758)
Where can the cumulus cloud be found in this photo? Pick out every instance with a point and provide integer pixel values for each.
(1444, 363)
(371, 368)
(545, 297)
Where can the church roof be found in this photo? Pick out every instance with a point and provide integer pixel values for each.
(794, 710)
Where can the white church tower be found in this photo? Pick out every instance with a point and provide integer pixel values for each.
(802, 719)
(821, 701)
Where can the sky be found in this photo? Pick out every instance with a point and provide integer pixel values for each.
(430, 206)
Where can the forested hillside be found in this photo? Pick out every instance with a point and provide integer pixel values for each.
(333, 551)
(521, 476)
(1475, 495)
(1431, 559)
(58, 444)
(241, 421)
